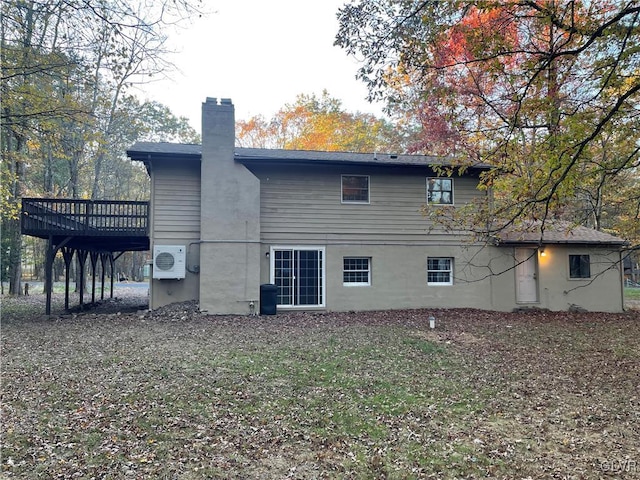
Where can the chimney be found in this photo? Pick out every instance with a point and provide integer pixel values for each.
(218, 129)
(229, 217)
(218, 190)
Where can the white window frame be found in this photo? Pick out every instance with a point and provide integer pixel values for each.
(358, 270)
(452, 192)
(450, 270)
(351, 202)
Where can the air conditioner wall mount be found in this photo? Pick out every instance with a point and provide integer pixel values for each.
(169, 262)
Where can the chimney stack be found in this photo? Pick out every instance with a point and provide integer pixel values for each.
(229, 217)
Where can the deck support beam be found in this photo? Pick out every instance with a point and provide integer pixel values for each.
(93, 256)
(48, 273)
(50, 256)
(103, 258)
(112, 271)
(82, 260)
(67, 255)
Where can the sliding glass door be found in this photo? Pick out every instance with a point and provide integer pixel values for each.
(299, 275)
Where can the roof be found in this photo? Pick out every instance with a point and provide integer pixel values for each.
(147, 151)
(558, 233)
(250, 155)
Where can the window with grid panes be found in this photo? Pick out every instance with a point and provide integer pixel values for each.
(440, 271)
(440, 191)
(356, 271)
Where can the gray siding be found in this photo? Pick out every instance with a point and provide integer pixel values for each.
(176, 202)
(175, 220)
(305, 205)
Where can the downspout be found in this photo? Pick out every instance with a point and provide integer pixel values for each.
(621, 270)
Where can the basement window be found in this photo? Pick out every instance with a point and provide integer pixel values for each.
(439, 271)
(356, 271)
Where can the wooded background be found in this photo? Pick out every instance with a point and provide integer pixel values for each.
(545, 91)
(69, 109)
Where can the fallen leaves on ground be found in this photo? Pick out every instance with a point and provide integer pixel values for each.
(120, 392)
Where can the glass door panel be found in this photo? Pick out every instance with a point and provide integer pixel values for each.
(299, 276)
(284, 276)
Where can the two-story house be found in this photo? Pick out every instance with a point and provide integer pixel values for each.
(345, 231)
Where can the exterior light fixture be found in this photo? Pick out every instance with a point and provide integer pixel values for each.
(542, 252)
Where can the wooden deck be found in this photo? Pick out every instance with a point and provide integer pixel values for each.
(98, 230)
(92, 225)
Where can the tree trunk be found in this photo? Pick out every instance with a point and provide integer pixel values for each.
(74, 174)
(15, 149)
(15, 249)
(97, 177)
(12, 224)
(48, 170)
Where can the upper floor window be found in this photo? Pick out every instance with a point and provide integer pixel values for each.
(579, 266)
(440, 191)
(355, 189)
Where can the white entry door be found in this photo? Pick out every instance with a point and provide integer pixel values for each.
(526, 275)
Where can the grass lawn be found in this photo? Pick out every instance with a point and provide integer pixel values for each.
(368, 395)
(632, 293)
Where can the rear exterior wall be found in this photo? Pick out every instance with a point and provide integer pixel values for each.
(302, 207)
(600, 292)
(175, 220)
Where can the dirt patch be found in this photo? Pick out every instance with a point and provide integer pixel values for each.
(632, 304)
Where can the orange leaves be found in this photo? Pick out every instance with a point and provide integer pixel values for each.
(317, 123)
(478, 30)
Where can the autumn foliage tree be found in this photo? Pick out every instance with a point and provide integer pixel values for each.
(319, 123)
(67, 69)
(545, 91)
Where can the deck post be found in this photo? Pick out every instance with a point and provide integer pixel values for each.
(112, 267)
(67, 254)
(48, 273)
(94, 260)
(52, 249)
(103, 257)
(82, 260)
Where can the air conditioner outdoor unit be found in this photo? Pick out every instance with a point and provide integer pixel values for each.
(169, 261)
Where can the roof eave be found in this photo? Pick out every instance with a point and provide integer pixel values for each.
(586, 243)
(262, 160)
(144, 156)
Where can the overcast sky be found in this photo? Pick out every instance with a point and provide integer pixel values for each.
(261, 54)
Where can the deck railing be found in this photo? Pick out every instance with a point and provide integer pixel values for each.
(42, 217)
